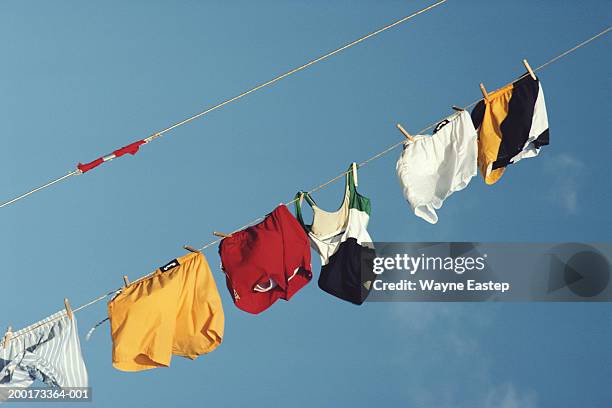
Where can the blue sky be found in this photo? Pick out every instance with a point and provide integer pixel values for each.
(80, 79)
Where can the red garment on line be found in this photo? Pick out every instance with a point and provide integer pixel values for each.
(132, 149)
(276, 249)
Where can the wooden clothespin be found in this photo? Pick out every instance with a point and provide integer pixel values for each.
(7, 337)
(528, 67)
(401, 129)
(152, 137)
(126, 281)
(190, 248)
(221, 234)
(68, 308)
(354, 169)
(484, 92)
(458, 109)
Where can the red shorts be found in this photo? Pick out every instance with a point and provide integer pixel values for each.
(267, 261)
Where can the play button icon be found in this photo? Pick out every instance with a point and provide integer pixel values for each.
(580, 268)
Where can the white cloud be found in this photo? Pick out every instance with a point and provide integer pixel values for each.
(506, 396)
(419, 317)
(565, 171)
(444, 339)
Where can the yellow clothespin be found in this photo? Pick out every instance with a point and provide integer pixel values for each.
(68, 308)
(401, 129)
(126, 281)
(221, 234)
(7, 337)
(190, 248)
(484, 92)
(528, 67)
(354, 168)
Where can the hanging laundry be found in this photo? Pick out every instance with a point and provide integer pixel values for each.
(266, 262)
(342, 240)
(132, 149)
(177, 310)
(48, 351)
(512, 125)
(433, 167)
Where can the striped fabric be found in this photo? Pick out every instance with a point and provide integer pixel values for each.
(512, 125)
(48, 351)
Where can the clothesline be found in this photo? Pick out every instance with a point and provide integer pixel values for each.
(394, 146)
(363, 163)
(133, 148)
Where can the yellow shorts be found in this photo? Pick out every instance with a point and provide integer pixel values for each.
(177, 310)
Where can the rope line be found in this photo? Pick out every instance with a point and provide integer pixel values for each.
(24, 195)
(396, 145)
(245, 93)
(362, 164)
(585, 42)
